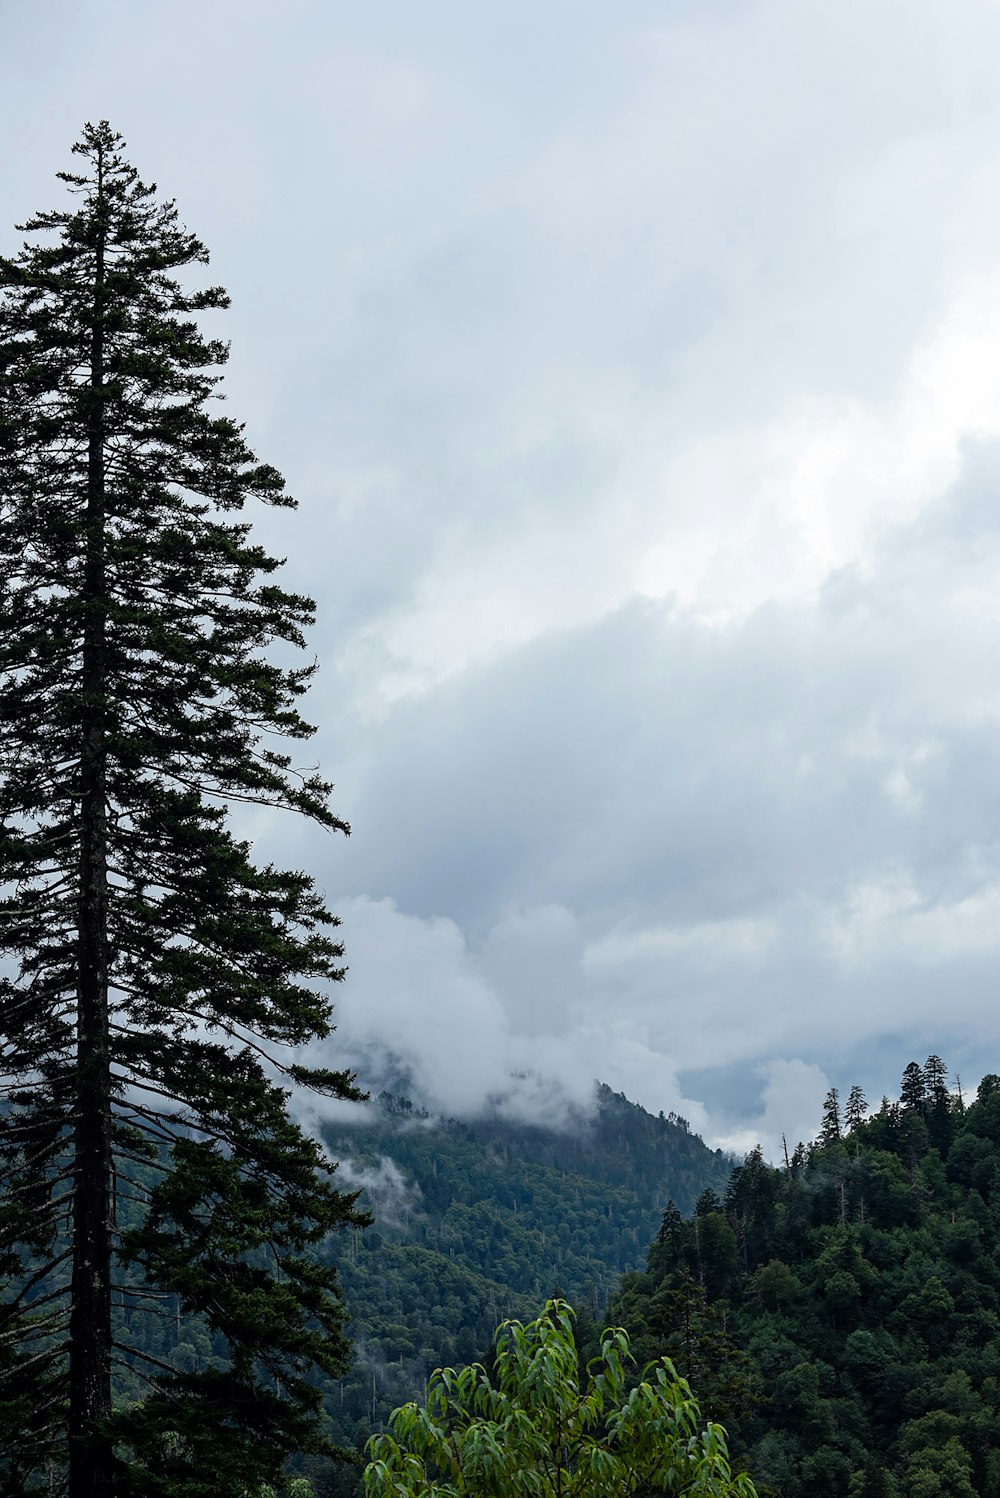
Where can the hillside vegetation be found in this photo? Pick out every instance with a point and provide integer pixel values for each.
(841, 1314)
(479, 1220)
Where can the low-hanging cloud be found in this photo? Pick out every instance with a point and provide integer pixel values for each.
(668, 849)
(392, 1198)
(420, 1012)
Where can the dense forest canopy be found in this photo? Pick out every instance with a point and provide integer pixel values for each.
(479, 1219)
(841, 1313)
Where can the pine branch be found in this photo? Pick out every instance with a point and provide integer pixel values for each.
(40, 1360)
(151, 1383)
(34, 1329)
(146, 1357)
(37, 1277)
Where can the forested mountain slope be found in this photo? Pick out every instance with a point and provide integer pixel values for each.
(475, 1221)
(841, 1315)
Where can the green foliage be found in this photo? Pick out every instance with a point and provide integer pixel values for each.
(532, 1430)
(852, 1342)
(296, 1487)
(486, 1219)
(490, 1217)
(830, 1127)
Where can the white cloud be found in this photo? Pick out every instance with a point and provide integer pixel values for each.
(715, 942)
(674, 848)
(389, 1195)
(888, 915)
(791, 1100)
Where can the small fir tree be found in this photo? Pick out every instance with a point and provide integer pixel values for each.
(829, 1129)
(913, 1087)
(158, 972)
(857, 1107)
(935, 1078)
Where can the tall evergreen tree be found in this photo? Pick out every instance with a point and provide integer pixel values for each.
(671, 1226)
(829, 1129)
(913, 1087)
(157, 977)
(938, 1109)
(857, 1107)
(935, 1078)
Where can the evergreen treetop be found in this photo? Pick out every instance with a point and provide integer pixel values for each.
(829, 1130)
(857, 1107)
(913, 1087)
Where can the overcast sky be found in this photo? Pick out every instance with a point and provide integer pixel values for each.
(637, 369)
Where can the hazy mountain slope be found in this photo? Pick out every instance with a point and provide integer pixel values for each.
(478, 1220)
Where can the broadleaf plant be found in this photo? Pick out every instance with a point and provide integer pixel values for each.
(531, 1431)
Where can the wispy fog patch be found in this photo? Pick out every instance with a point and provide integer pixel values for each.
(426, 1014)
(312, 1111)
(388, 1193)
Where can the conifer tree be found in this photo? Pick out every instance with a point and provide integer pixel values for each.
(671, 1225)
(935, 1078)
(857, 1107)
(829, 1129)
(913, 1087)
(938, 1109)
(156, 977)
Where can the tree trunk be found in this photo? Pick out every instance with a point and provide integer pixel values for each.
(90, 1457)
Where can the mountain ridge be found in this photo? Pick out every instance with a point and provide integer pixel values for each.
(477, 1219)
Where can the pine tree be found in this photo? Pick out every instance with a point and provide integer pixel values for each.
(158, 976)
(857, 1107)
(751, 1188)
(938, 1109)
(935, 1078)
(749, 1198)
(668, 1247)
(671, 1226)
(829, 1129)
(913, 1087)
